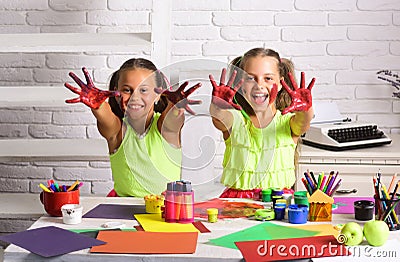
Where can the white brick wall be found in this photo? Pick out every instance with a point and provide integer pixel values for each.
(342, 43)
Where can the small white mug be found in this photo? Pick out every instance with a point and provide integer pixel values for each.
(72, 214)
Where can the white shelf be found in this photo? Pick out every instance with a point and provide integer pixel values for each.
(75, 42)
(34, 95)
(53, 150)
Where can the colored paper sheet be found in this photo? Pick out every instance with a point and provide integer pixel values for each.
(115, 211)
(291, 249)
(201, 227)
(154, 223)
(226, 208)
(263, 231)
(345, 205)
(323, 229)
(50, 241)
(142, 242)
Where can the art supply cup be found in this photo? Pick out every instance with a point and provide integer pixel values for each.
(364, 210)
(297, 214)
(53, 201)
(212, 214)
(300, 198)
(389, 211)
(72, 214)
(266, 195)
(153, 203)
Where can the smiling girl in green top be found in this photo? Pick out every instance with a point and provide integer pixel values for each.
(142, 127)
(261, 120)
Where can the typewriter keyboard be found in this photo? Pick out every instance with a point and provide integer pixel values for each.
(359, 133)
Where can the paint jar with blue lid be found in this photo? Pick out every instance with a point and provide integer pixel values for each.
(280, 209)
(297, 214)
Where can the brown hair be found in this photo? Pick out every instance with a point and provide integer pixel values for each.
(131, 64)
(285, 66)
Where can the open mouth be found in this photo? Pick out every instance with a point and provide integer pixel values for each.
(260, 98)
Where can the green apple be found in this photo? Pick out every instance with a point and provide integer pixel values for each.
(353, 233)
(376, 232)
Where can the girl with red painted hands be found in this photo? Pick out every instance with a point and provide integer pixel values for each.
(261, 113)
(141, 122)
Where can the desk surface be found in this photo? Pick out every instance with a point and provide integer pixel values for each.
(204, 251)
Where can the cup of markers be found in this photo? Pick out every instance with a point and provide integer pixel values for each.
(54, 196)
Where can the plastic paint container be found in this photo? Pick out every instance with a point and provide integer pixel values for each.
(279, 212)
(212, 215)
(297, 214)
(300, 198)
(264, 214)
(364, 209)
(266, 195)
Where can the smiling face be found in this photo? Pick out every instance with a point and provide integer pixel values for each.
(261, 73)
(137, 92)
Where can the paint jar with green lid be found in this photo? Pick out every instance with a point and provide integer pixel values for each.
(212, 215)
(266, 195)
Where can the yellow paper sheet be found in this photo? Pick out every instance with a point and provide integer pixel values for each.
(324, 229)
(154, 223)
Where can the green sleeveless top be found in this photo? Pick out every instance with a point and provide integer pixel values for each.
(143, 166)
(259, 157)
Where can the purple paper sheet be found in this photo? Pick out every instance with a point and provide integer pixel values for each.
(345, 205)
(115, 211)
(50, 241)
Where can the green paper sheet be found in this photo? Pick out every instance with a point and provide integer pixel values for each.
(263, 231)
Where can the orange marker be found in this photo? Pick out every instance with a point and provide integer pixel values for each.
(73, 186)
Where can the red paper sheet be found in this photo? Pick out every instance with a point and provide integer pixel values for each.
(142, 242)
(292, 248)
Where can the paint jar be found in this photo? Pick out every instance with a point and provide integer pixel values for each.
(280, 212)
(300, 198)
(266, 195)
(212, 215)
(264, 214)
(364, 210)
(153, 203)
(297, 214)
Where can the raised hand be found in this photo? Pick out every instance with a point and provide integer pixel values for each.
(88, 94)
(222, 95)
(179, 97)
(301, 97)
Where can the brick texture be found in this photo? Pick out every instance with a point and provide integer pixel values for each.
(342, 43)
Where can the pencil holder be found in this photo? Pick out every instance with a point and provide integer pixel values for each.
(320, 207)
(388, 210)
(52, 202)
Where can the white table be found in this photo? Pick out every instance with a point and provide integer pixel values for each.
(204, 252)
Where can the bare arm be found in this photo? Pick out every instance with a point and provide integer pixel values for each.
(300, 122)
(109, 126)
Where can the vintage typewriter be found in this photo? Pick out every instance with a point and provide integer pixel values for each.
(329, 130)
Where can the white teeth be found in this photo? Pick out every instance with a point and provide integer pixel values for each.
(259, 95)
(134, 106)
